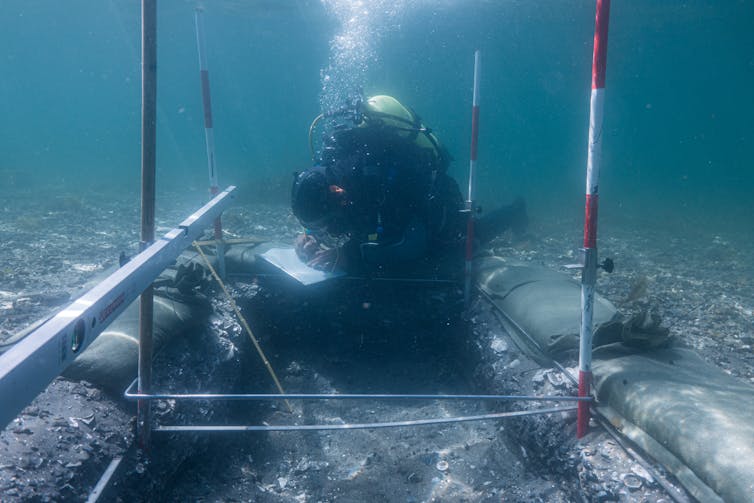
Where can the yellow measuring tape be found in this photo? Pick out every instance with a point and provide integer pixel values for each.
(243, 322)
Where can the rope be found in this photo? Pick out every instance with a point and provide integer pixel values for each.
(245, 325)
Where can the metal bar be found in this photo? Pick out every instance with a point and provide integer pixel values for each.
(361, 426)
(300, 396)
(472, 171)
(148, 159)
(146, 352)
(28, 367)
(594, 161)
(282, 276)
(209, 135)
(400, 280)
(340, 396)
(104, 480)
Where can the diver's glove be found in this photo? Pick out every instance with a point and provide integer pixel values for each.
(306, 247)
(186, 278)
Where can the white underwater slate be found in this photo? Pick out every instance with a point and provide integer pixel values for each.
(287, 261)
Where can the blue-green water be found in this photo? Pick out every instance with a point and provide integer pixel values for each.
(679, 110)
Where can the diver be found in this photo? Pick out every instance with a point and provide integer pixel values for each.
(379, 197)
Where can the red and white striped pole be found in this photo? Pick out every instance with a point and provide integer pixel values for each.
(472, 169)
(594, 160)
(206, 102)
(209, 133)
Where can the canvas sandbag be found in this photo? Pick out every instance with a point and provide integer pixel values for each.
(242, 258)
(111, 361)
(694, 410)
(545, 305)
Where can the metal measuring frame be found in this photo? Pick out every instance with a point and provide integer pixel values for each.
(28, 367)
(130, 394)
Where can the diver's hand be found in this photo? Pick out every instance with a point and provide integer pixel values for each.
(325, 260)
(311, 252)
(306, 247)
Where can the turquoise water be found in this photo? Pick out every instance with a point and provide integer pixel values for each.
(679, 110)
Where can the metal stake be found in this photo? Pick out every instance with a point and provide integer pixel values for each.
(209, 135)
(148, 156)
(472, 169)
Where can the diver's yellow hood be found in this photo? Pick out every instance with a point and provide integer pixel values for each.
(390, 112)
(387, 105)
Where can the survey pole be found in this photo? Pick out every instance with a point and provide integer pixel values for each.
(593, 164)
(148, 160)
(209, 135)
(472, 173)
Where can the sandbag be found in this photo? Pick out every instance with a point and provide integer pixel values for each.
(696, 411)
(545, 304)
(242, 258)
(111, 361)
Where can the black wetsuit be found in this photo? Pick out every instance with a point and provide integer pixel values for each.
(402, 206)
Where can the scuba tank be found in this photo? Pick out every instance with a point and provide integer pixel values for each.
(379, 112)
